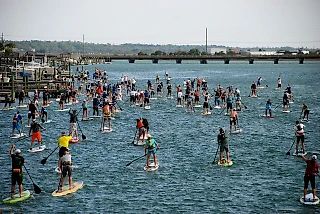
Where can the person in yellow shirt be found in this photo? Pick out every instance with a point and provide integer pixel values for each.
(63, 143)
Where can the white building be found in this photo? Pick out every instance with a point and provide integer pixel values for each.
(218, 50)
(264, 53)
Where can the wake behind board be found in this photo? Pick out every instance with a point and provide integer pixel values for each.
(238, 131)
(25, 195)
(37, 149)
(106, 129)
(300, 153)
(209, 113)
(48, 121)
(66, 109)
(224, 162)
(65, 189)
(16, 136)
(151, 167)
(309, 200)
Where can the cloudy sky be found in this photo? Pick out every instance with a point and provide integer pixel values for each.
(243, 23)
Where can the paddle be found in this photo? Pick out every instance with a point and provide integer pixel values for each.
(134, 136)
(22, 138)
(83, 136)
(213, 162)
(119, 106)
(136, 159)
(222, 110)
(37, 189)
(43, 161)
(288, 153)
(277, 106)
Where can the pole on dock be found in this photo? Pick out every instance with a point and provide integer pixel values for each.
(206, 40)
(12, 88)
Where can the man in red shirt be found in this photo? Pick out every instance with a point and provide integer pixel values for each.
(310, 175)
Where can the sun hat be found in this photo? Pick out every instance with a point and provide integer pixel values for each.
(314, 157)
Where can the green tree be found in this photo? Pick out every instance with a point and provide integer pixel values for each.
(194, 52)
(10, 45)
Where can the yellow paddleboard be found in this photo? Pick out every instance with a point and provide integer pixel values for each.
(65, 189)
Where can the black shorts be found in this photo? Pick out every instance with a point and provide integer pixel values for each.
(16, 178)
(66, 169)
(312, 179)
(229, 105)
(224, 147)
(31, 115)
(300, 137)
(233, 121)
(205, 105)
(132, 98)
(196, 99)
(61, 151)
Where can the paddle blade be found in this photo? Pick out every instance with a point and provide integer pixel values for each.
(83, 137)
(43, 120)
(288, 153)
(210, 107)
(43, 161)
(37, 189)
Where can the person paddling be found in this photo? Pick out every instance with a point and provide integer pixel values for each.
(63, 143)
(151, 147)
(223, 143)
(310, 175)
(35, 128)
(233, 119)
(17, 175)
(141, 129)
(65, 164)
(305, 110)
(73, 123)
(268, 108)
(299, 136)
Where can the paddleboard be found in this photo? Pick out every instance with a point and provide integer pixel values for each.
(304, 121)
(58, 99)
(225, 163)
(197, 106)
(263, 115)
(16, 136)
(277, 89)
(22, 106)
(65, 189)
(37, 149)
(179, 106)
(151, 167)
(95, 116)
(209, 113)
(153, 98)
(170, 97)
(25, 195)
(57, 169)
(87, 119)
(218, 107)
(299, 153)
(291, 102)
(27, 126)
(260, 86)
(6, 109)
(238, 131)
(309, 200)
(106, 129)
(253, 96)
(285, 111)
(147, 107)
(145, 136)
(74, 140)
(66, 109)
(68, 104)
(48, 121)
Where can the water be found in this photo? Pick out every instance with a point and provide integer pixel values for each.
(263, 178)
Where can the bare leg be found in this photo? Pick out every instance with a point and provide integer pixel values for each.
(70, 182)
(20, 190)
(148, 159)
(12, 191)
(155, 159)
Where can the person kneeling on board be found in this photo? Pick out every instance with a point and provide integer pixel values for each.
(151, 147)
(17, 175)
(223, 143)
(310, 175)
(65, 164)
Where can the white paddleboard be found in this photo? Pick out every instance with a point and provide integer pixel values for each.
(238, 131)
(218, 107)
(309, 200)
(48, 121)
(299, 153)
(106, 129)
(291, 102)
(153, 98)
(260, 86)
(87, 119)
(68, 104)
(285, 111)
(22, 106)
(66, 109)
(147, 107)
(151, 167)
(95, 116)
(170, 97)
(209, 113)
(27, 126)
(16, 136)
(263, 115)
(253, 96)
(197, 106)
(179, 106)
(37, 149)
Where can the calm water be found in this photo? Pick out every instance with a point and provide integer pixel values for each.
(262, 180)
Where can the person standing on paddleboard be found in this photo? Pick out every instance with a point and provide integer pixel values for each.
(65, 164)
(32, 111)
(16, 123)
(306, 111)
(85, 109)
(268, 108)
(151, 147)
(73, 123)
(279, 82)
(44, 112)
(310, 175)
(233, 119)
(17, 175)
(299, 136)
(206, 103)
(106, 113)
(141, 129)
(223, 143)
(259, 81)
(63, 143)
(229, 102)
(285, 101)
(253, 89)
(35, 128)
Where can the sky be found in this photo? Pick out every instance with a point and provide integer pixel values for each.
(234, 23)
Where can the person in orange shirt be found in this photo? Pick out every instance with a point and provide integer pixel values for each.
(141, 130)
(35, 128)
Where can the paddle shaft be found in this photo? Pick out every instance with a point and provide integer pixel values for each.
(291, 147)
(216, 154)
(222, 110)
(136, 159)
(45, 159)
(36, 188)
(83, 136)
(135, 136)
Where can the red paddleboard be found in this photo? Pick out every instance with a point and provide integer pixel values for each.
(74, 140)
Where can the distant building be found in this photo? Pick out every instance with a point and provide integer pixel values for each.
(264, 53)
(217, 50)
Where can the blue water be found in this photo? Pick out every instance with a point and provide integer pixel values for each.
(263, 178)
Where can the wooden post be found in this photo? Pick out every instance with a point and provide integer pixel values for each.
(12, 88)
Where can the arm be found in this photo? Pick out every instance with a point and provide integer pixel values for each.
(305, 159)
(11, 149)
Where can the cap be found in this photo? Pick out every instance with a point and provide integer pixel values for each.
(234, 109)
(314, 157)
(18, 151)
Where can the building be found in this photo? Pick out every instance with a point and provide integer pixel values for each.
(217, 50)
